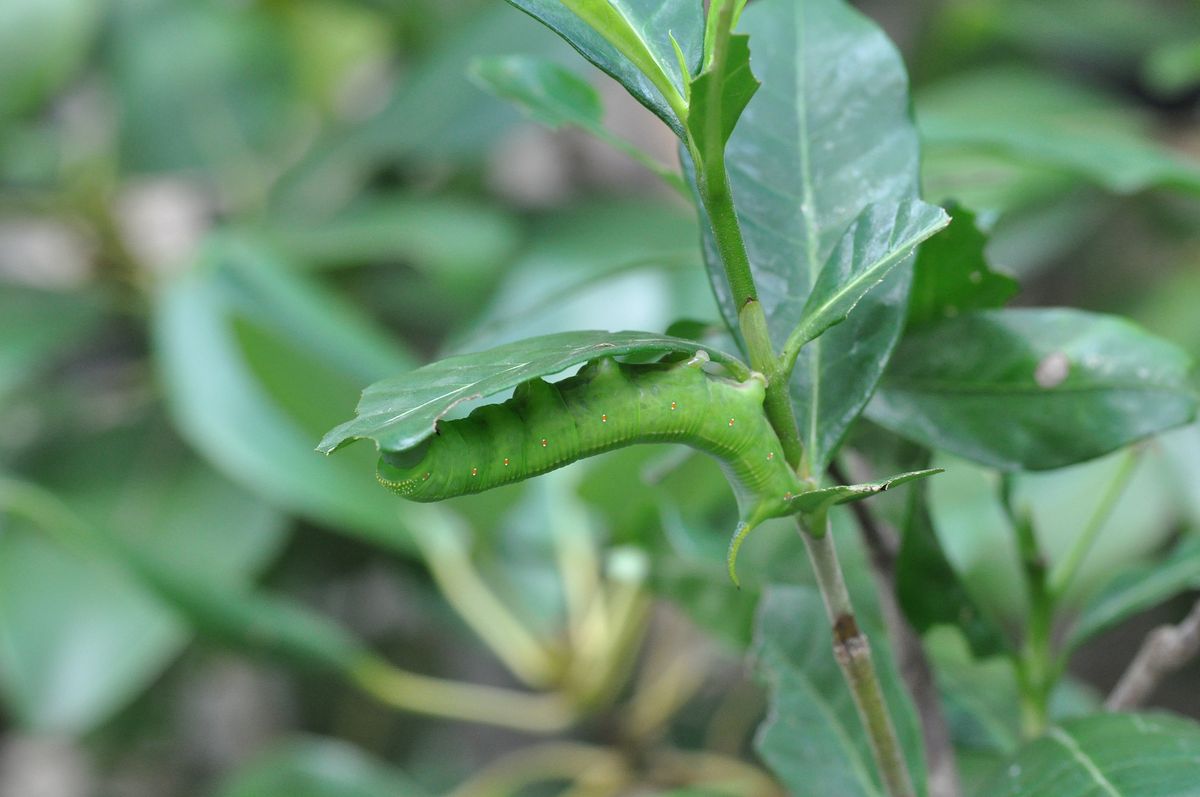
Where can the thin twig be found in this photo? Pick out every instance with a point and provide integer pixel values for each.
(852, 651)
(883, 545)
(1165, 649)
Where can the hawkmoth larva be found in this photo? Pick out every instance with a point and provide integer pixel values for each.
(606, 405)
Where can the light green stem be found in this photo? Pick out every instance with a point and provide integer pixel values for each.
(535, 713)
(852, 650)
(1036, 670)
(1066, 570)
(526, 656)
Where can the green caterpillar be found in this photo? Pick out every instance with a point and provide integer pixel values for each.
(607, 405)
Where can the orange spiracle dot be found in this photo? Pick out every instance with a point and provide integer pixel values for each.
(474, 471)
(506, 462)
(770, 455)
(672, 405)
(427, 475)
(603, 419)
(544, 442)
(731, 421)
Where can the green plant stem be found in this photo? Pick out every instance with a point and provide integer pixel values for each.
(851, 647)
(717, 197)
(536, 713)
(852, 650)
(1065, 571)
(1036, 667)
(514, 644)
(778, 402)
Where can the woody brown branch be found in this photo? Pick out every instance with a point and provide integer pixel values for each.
(1165, 649)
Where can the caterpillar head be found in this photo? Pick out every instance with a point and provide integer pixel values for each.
(404, 472)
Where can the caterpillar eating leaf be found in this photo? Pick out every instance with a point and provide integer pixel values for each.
(607, 405)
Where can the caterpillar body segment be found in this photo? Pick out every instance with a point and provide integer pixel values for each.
(606, 405)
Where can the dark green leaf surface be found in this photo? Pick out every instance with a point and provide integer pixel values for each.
(930, 591)
(827, 135)
(813, 739)
(252, 376)
(951, 275)
(645, 27)
(882, 238)
(400, 412)
(1106, 755)
(1138, 590)
(1033, 388)
(731, 89)
(317, 767)
(824, 499)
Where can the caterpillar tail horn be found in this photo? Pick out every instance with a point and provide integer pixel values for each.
(735, 543)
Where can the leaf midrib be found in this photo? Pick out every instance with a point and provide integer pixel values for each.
(808, 214)
(1084, 761)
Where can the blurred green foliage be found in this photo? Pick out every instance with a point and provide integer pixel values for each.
(220, 220)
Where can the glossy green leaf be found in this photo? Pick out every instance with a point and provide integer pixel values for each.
(400, 412)
(813, 739)
(317, 767)
(1139, 589)
(881, 239)
(822, 500)
(256, 363)
(557, 97)
(631, 40)
(79, 638)
(1106, 755)
(981, 701)
(827, 135)
(951, 275)
(929, 590)
(1033, 388)
(722, 94)
(1032, 117)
